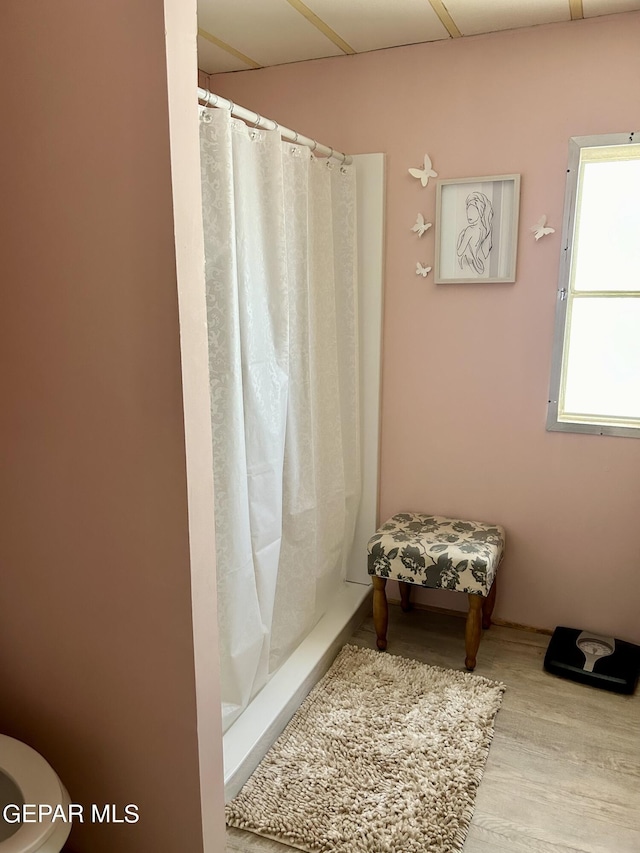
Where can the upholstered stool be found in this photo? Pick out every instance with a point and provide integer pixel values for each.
(437, 553)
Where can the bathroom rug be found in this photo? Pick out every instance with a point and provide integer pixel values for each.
(385, 755)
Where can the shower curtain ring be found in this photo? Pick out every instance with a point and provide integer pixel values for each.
(276, 126)
(295, 137)
(315, 145)
(344, 159)
(206, 114)
(232, 106)
(257, 121)
(330, 155)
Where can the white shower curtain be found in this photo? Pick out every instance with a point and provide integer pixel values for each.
(282, 314)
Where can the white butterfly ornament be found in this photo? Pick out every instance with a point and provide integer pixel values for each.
(424, 174)
(423, 271)
(540, 229)
(421, 226)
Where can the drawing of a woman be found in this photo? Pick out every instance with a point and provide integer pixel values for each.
(475, 241)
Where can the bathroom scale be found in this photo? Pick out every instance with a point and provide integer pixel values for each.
(593, 659)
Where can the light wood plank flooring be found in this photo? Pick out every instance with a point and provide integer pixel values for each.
(563, 774)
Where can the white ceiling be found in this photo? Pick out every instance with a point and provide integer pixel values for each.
(238, 34)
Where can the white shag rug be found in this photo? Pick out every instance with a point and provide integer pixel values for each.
(385, 755)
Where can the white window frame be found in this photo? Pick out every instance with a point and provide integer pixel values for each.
(598, 425)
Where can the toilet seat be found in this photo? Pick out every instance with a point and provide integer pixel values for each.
(38, 783)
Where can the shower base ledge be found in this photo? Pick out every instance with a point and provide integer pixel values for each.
(248, 739)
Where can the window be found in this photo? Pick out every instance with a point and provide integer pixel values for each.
(595, 380)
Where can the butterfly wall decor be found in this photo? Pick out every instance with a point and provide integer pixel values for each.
(424, 174)
(541, 229)
(421, 226)
(423, 271)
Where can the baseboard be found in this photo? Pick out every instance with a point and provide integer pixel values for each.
(461, 614)
(503, 623)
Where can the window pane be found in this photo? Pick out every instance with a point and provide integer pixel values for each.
(602, 374)
(607, 250)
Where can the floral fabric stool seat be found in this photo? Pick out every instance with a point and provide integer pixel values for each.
(437, 553)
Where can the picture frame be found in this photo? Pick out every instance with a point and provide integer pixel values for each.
(477, 229)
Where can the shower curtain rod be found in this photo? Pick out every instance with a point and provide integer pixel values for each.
(211, 100)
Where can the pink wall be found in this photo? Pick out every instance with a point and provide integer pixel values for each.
(466, 368)
(96, 645)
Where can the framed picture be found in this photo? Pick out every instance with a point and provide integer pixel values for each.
(477, 229)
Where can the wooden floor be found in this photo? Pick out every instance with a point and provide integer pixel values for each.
(563, 774)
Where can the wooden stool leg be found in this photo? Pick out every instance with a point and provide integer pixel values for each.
(473, 630)
(405, 595)
(488, 604)
(380, 611)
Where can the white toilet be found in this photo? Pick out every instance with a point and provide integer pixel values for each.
(25, 777)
